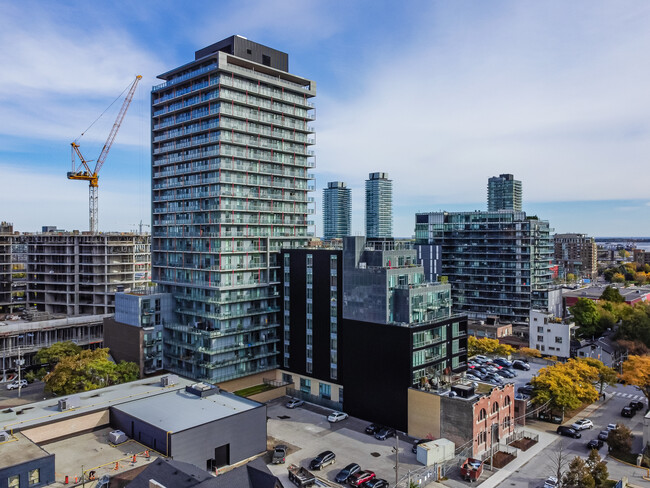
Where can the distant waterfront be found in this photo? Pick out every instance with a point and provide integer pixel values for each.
(614, 242)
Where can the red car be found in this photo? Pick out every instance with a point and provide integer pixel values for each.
(361, 477)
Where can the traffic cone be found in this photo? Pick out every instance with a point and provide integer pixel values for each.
(117, 466)
(146, 454)
(133, 460)
(66, 480)
(76, 479)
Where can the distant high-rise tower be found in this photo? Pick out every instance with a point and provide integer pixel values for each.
(379, 206)
(504, 193)
(336, 210)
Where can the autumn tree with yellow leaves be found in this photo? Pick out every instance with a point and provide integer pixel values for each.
(566, 385)
(636, 372)
(485, 345)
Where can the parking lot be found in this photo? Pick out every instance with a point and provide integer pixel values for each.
(307, 433)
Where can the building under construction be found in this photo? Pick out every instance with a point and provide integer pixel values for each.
(76, 273)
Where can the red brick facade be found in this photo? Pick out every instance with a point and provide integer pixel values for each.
(490, 411)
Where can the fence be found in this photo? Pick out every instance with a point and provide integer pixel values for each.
(308, 397)
(498, 448)
(516, 436)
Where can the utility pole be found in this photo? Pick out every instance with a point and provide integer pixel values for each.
(19, 363)
(396, 449)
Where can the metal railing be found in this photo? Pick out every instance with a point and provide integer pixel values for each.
(308, 397)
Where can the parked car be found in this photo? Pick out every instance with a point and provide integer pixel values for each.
(385, 433)
(479, 358)
(582, 424)
(372, 429)
(325, 458)
(279, 454)
(611, 427)
(503, 362)
(17, 384)
(360, 477)
(344, 475)
(337, 416)
(568, 431)
(506, 373)
(472, 377)
(417, 443)
(519, 364)
(628, 412)
(594, 444)
(603, 435)
(293, 403)
(551, 482)
(549, 417)
(376, 483)
(637, 405)
(525, 390)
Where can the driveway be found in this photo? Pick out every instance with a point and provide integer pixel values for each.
(307, 432)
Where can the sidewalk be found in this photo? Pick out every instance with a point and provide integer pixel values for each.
(545, 439)
(523, 457)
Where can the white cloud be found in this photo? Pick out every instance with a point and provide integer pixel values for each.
(554, 96)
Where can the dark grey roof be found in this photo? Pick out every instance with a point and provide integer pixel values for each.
(172, 474)
(177, 474)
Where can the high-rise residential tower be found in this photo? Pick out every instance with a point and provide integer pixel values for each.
(230, 183)
(336, 210)
(379, 206)
(504, 193)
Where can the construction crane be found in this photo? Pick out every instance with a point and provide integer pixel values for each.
(83, 171)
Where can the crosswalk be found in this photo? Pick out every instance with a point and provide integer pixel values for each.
(629, 396)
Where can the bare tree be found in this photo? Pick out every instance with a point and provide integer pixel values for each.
(559, 462)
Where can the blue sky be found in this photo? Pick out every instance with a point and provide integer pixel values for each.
(439, 94)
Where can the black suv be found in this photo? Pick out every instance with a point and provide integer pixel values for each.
(323, 459)
(568, 431)
(636, 405)
(372, 429)
(628, 412)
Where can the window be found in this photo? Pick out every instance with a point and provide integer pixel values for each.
(540, 329)
(341, 395)
(540, 338)
(482, 437)
(305, 385)
(506, 402)
(266, 60)
(482, 414)
(506, 422)
(558, 340)
(325, 391)
(14, 481)
(34, 477)
(495, 407)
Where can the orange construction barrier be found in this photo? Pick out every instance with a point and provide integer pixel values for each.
(66, 481)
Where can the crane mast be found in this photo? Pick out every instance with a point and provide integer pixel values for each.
(85, 173)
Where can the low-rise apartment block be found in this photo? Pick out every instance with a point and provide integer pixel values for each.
(550, 335)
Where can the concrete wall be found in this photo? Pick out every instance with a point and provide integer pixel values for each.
(245, 432)
(246, 381)
(267, 396)
(147, 434)
(423, 414)
(124, 342)
(69, 427)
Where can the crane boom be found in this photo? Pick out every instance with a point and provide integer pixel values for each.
(83, 171)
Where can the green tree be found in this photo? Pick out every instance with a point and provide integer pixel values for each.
(623, 253)
(620, 439)
(578, 475)
(606, 375)
(597, 468)
(586, 314)
(570, 277)
(635, 324)
(53, 354)
(612, 294)
(86, 371)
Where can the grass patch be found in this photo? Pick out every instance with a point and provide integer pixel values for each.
(254, 390)
(626, 457)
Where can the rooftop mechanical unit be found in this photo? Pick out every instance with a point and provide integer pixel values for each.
(67, 403)
(117, 437)
(4, 436)
(168, 380)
